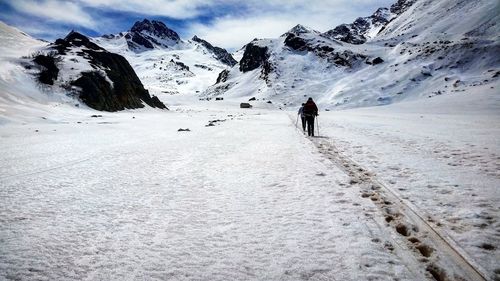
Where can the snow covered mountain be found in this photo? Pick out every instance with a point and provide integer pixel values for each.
(415, 49)
(365, 28)
(166, 63)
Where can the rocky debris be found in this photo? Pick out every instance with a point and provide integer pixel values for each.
(223, 75)
(253, 57)
(220, 54)
(245, 105)
(212, 123)
(112, 86)
(219, 98)
(183, 130)
(203, 67)
(180, 65)
(252, 99)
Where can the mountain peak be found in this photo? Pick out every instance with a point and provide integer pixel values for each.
(156, 28)
(299, 29)
(220, 54)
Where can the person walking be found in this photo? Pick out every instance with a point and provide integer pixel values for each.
(310, 111)
(302, 117)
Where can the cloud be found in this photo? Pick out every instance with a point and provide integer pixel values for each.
(176, 9)
(56, 11)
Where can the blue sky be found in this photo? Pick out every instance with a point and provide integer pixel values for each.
(226, 23)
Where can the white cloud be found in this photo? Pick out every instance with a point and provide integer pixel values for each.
(178, 9)
(57, 11)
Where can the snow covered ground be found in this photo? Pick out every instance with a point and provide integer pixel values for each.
(250, 198)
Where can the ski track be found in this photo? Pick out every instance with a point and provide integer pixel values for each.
(459, 205)
(247, 199)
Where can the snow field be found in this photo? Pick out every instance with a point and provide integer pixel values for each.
(131, 198)
(442, 162)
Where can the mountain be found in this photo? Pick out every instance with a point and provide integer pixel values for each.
(101, 79)
(167, 64)
(365, 28)
(414, 49)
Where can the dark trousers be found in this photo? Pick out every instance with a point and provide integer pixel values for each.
(310, 125)
(303, 123)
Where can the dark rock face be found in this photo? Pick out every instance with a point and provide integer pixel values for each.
(156, 28)
(140, 40)
(49, 71)
(345, 58)
(355, 33)
(253, 57)
(401, 6)
(126, 90)
(377, 60)
(146, 34)
(223, 75)
(296, 42)
(220, 54)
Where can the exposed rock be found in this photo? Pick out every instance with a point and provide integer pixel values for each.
(220, 54)
(401, 6)
(223, 75)
(358, 31)
(295, 42)
(49, 69)
(245, 105)
(253, 57)
(112, 86)
(146, 34)
(156, 28)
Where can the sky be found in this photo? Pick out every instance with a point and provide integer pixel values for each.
(226, 23)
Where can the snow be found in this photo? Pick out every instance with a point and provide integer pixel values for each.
(404, 191)
(247, 199)
(163, 78)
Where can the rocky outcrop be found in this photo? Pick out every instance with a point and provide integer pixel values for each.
(220, 54)
(401, 6)
(357, 32)
(223, 75)
(321, 49)
(147, 34)
(112, 85)
(48, 68)
(253, 57)
(361, 29)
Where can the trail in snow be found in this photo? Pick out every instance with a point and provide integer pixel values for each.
(441, 161)
(246, 199)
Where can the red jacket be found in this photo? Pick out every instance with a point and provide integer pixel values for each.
(310, 108)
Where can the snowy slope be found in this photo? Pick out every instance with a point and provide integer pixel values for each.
(169, 68)
(431, 48)
(21, 97)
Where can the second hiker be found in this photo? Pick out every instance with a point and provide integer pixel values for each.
(310, 110)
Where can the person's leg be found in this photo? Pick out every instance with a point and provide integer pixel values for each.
(309, 120)
(312, 126)
(303, 123)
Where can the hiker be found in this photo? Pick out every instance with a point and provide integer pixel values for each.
(302, 117)
(310, 110)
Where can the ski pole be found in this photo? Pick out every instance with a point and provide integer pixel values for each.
(296, 122)
(317, 124)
